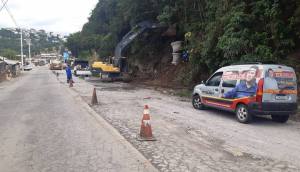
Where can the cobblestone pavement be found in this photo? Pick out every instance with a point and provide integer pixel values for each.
(45, 127)
(192, 140)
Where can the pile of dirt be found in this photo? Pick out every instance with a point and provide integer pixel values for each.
(167, 77)
(156, 69)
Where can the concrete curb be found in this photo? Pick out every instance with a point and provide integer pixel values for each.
(114, 132)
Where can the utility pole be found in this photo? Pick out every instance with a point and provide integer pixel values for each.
(22, 60)
(29, 53)
(13, 19)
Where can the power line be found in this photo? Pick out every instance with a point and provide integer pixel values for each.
(4, 4)
(21, 34)
(9, 13)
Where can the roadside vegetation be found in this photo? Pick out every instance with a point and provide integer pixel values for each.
(215, 32)
(41, 41)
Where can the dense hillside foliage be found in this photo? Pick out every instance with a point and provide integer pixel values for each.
(41, 41)
(215, 32)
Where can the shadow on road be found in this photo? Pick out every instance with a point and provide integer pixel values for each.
(257, 120)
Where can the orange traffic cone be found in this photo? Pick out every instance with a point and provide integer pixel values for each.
(94, 98)
(71, 83)
(146, 131)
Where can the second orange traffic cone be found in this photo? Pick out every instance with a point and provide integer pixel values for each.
(146, 130)
(94, 98)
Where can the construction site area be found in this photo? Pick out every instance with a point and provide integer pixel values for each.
(150, 86)
(186, 139)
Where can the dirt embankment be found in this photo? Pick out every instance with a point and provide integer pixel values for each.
(158, 72)
(165, 77)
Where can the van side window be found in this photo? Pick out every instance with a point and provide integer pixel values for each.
(229, 83)
(215, 79)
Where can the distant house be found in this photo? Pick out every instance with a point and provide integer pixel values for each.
(9, 68)
(13, 67)
(2, 70)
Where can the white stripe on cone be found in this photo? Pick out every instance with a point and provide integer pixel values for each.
(146, 122)
(146, 111)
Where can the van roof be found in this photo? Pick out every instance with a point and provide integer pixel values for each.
(243, 66)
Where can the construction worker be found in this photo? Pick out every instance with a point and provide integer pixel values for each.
(69, 74)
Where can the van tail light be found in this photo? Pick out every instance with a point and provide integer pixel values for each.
(260, 90)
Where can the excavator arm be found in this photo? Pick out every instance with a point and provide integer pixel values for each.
(129, 37)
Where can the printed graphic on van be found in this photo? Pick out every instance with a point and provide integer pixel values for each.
(280, 82)
(248, 82)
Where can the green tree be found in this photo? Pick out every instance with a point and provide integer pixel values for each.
(10, 54)
(221, 31)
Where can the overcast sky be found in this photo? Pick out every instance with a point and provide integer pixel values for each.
(59, 16)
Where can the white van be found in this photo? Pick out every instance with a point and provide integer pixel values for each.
(250, 89)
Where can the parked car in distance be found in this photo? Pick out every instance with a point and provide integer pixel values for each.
(28, 67)
(250, 89)
(56, 65)
(81, 68)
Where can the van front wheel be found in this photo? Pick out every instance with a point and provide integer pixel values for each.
(281, 119)
(242, 114)
(197, 103)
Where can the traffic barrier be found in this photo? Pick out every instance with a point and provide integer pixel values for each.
(94, 98)
(146, 130)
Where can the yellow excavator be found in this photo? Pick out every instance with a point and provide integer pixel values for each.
(119, 66)
(105, 70)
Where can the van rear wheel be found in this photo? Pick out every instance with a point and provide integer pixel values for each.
(281, 119)
(242, 114)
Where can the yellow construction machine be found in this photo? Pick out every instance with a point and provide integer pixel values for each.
(105, 70)
(119, 66)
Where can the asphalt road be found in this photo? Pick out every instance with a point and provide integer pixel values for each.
(45, 127)
(194, 140)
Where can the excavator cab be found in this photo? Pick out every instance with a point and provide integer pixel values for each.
(121, 63)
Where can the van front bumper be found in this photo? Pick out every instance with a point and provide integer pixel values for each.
(256, 108)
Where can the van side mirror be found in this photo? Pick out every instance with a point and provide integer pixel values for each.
(202, 82)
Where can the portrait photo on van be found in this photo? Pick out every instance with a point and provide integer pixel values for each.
(278, 81)
(248, 82)
(270, 80)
